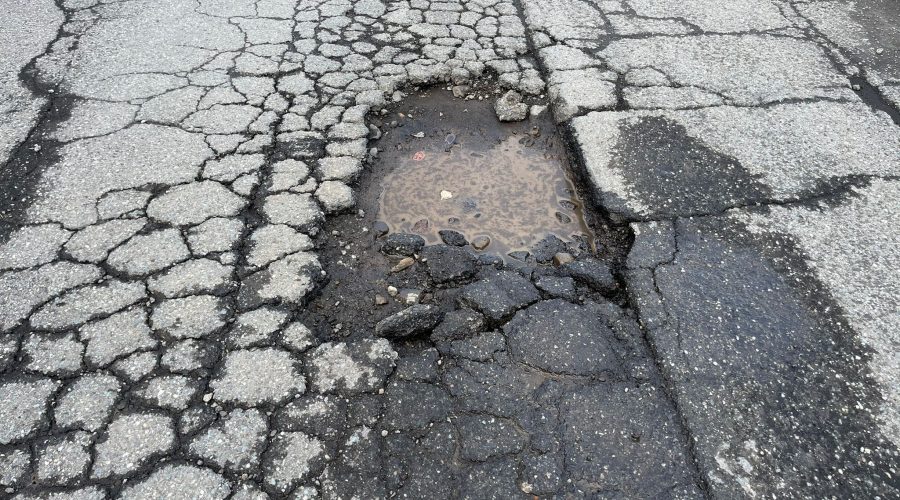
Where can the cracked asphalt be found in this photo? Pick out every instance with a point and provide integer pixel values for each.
(197, 302)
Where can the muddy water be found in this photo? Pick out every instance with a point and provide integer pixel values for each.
(455, 166)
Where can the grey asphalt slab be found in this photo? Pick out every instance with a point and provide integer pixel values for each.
(167, 169)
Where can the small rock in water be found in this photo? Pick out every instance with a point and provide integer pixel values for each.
(481, 242)
(419, 135)
(520, 255)
(510, 108)
(563, 218)
(562, 258)
(446, 195)
(403, 264)
(451, 237)
(545, 249)
(460, 91)
(380, 228)
(449, 141)
(421, 226)
(568, 205)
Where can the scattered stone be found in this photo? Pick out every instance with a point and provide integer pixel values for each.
(392, 291)
(460, 91)
(481, 242)
(404, 244)
(410, 321)
(592, 272)
(451, 237)
(259, 376)
(562, 258)
(510, 107)
(521, 256)
(380, 228)
(449, 264)
(500, 294)
(380, 300)
(404, 263)
(545, 249)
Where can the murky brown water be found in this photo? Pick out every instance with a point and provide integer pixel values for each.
(503, 181)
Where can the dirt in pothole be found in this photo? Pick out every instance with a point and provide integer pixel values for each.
(455, 166)
(517, 209)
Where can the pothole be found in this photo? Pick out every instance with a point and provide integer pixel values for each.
(361, 288)
(455, 166)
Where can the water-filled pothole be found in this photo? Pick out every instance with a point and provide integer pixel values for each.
(454, 166)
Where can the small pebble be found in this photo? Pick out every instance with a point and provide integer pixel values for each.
(403, 264)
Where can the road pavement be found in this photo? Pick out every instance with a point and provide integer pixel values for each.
(169, 169)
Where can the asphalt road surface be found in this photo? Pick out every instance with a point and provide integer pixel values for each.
(196, 301)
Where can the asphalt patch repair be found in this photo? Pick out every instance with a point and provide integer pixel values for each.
(513, 378)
